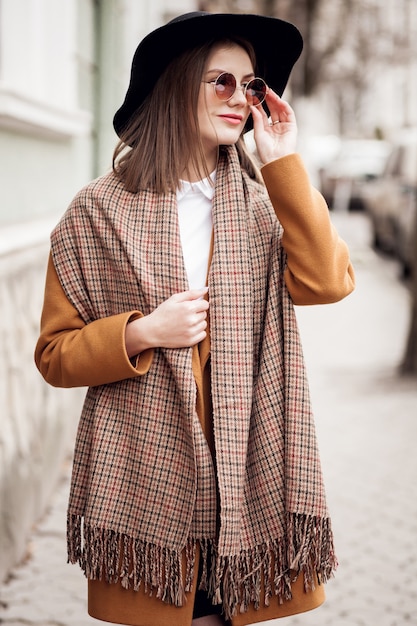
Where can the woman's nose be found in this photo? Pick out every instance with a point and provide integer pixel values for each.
(239, 96)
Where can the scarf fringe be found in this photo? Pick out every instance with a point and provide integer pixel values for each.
(235, 581)
(116, 557)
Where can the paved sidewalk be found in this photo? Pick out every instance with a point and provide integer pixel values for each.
(367, 428)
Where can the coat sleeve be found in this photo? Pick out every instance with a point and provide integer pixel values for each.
(318, 269)
(70, 353)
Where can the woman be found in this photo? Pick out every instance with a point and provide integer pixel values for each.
(196, 492)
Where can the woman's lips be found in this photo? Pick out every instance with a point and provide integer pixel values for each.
(232, 119)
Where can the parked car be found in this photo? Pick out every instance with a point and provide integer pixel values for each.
(391, 202)
(358, 161)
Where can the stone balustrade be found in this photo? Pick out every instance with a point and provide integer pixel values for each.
(38, 422)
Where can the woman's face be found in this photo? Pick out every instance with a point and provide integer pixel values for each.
(221, 122)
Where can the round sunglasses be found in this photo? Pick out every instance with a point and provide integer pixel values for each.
(225, 85)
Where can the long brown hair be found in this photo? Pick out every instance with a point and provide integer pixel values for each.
(162, 138)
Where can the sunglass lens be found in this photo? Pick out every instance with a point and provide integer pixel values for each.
(225, 86)
(256, 91)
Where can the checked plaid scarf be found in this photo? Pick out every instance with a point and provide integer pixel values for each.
(144, 487)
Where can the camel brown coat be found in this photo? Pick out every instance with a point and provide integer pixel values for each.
(318, 271)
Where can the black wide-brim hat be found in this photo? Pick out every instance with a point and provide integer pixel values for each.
(277, 45)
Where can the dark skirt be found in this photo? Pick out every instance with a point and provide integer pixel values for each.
(203, 604)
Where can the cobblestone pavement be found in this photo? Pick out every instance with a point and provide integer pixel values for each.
(367, 429)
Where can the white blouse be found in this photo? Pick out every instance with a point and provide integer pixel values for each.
(195, 223)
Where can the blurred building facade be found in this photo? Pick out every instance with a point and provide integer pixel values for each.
(64, 68)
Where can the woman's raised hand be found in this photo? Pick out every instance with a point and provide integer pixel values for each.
(275, 136)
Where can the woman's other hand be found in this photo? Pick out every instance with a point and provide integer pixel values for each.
(178, 322)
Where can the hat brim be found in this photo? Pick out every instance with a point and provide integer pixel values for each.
(277, 45)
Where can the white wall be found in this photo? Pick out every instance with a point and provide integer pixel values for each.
(45, 137)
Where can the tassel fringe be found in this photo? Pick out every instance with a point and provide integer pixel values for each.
(252, 577)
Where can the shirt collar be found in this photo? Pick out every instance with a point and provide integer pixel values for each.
(204, 186)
